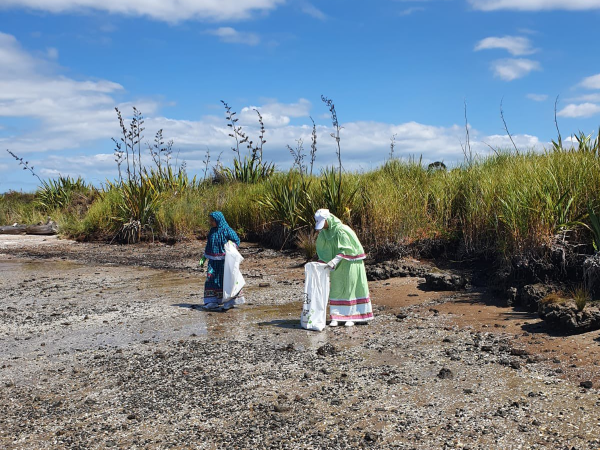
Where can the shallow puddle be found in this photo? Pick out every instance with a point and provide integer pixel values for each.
(95, 307)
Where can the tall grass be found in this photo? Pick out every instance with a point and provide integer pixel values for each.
(61, 192)
(505, 204)
(18, 207)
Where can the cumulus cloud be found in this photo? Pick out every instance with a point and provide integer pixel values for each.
(71, 116)
(68, 111)
(232, 36)
(510, 69)
(592, 82)
(580, 110)
(515, 45)
(522, 141)
(535, 5)
(537, 97)
(163, 10)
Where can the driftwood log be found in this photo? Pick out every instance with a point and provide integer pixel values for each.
(46, 229)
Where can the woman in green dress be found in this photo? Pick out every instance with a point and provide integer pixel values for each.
(340, 249)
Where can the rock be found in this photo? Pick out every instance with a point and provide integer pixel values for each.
(371, 437)
(532, 294)
(281, 408)
(566, 317)
(440, 281)
(512, 296)
(586, 384)
(327, 350)
(591, 274)
(377, 273)
(445, 374)
(394, 269)
(519, 352)
(515, 364)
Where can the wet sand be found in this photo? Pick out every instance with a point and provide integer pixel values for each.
(102, 348)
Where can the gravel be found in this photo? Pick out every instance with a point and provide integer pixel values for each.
(101, 356)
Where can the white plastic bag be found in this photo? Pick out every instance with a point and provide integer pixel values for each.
(233, 281)
(316, 294)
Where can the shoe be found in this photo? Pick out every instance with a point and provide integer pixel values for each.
(333, 323)
(211, 306)
(349, 323)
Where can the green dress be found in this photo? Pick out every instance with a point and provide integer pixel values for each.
(349, 293)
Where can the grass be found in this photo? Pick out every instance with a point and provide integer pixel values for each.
(306, 241)
(505, 204)
(581, 297)
(554, 298)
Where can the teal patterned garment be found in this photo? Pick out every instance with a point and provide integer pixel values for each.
(215, 254)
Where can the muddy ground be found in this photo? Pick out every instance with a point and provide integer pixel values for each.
(101, 347)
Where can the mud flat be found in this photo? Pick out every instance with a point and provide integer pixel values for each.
(101, 347)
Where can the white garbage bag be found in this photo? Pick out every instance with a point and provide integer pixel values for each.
(316, 294)
(233, 281)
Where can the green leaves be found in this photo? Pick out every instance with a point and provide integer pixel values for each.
(57, 194)
(338, 196)
(594, 227)
(248, 170)
(288, 201)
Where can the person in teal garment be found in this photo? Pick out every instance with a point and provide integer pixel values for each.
(220, 232)
(339, 247)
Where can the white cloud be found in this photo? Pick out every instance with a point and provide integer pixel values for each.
(592, 82)
(515, 45)
(364, 144)
(312, 11)
(275, 114)
(72, 116)
(522, 141)
(162, 10)
(535, 5)
(232, 36)
(537, 97)
(589, 98)
(511, 69)
(69, 112)
(581, 110)
(299, 109)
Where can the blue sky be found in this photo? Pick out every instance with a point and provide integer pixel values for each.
(392, 67)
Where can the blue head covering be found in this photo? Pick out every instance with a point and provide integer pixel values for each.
(218, 237)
